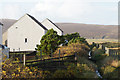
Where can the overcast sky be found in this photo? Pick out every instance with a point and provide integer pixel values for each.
(75, 11)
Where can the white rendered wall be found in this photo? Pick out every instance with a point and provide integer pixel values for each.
(24, 28)
(49, 25)
(0, 34)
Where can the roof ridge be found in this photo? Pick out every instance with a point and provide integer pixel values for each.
(36, 21)
(54, 24)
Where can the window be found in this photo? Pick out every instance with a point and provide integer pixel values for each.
(25, 40)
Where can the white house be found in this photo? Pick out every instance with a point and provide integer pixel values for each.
(49, 24)
(1, 33)
(25, 34)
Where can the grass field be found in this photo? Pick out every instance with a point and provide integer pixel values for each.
(102, 40)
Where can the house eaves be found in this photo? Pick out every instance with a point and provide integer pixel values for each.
(37, 22)
(54, 24)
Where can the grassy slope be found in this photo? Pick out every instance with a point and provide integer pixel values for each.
(102, 40)
(91, 30)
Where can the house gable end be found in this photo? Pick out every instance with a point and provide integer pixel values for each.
(53, 24)
(37, 22)
(25, 34)
(31, 17)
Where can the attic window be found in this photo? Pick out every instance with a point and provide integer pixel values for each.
(25, 40)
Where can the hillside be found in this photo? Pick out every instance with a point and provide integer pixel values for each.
(85, 30)
(7, 23)
(90, 30)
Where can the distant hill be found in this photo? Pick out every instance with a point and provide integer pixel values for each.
(7, 23)
(85, 30)
(91, 30)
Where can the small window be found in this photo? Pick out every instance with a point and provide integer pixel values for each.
(25, 40)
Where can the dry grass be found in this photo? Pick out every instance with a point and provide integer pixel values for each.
(115, 63)
(102, 40)
(110, 61)
(80, 49)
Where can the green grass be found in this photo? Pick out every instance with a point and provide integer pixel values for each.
(102, 40)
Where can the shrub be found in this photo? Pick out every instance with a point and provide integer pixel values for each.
(73, 71)
(92, 66)
(50, 41)
(10, 70)
(61, 74)
(98, 54)
(73, 38)
(99, 51)
(109, 67)
(110, 61)
(79, 40)
(80, 49)
(69, 37)
(109, 72)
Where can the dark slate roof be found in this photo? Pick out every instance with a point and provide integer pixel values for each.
(37, 22)
(55, 25)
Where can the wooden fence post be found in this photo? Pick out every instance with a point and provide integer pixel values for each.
(75, 56)
(24, 59)
(76, 59)
(107, 51)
